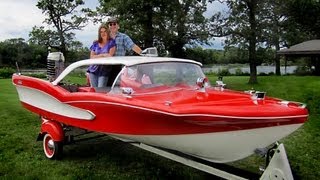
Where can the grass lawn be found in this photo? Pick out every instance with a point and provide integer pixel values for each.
(22, 156)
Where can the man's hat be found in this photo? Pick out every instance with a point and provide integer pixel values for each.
(112, 19)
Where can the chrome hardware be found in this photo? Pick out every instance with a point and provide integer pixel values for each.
(299, 104)
(257, 95)
(127, 90)
(260, 95)
(252, 91)
(150, 52)
(167, 103)
(202, 82)
(50, 144)
(219, 82)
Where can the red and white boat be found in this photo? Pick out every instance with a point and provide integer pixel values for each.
(161, 102)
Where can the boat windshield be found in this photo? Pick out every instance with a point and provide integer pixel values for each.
(161, 75)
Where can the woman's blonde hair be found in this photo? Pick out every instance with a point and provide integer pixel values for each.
(106, 27)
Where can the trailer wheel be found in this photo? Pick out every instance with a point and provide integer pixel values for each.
(52, 149)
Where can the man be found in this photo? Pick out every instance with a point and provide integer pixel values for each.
(123, 41)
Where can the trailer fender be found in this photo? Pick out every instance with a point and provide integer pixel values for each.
(53, 128)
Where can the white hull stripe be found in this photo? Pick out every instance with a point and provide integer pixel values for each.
(44, 101)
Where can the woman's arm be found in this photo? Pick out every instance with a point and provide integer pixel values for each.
(94, 55)
(111, 52)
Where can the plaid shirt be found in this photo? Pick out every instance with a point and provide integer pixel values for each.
(123, 43)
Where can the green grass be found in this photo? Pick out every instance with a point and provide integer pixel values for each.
(22, 156)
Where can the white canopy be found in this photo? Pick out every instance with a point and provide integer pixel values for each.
(119, 60)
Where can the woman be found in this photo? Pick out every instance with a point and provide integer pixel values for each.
(103, 47)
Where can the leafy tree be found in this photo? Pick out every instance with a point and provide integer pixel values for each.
(205, 56)
(43, 37)
(243, 28)
(273, 29)
(17, 50)
(38, 56)
(166, 24)
(269, 27)
(265, 55)
(13, 50)
(279, 29)
(64, 17)
(78, 53)
(307, 14)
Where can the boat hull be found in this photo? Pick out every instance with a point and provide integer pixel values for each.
(218, 147)
(204, 129)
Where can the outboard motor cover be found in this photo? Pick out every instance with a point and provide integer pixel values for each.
(55, 65)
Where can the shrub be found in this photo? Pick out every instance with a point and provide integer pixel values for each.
(6, 72)
(263, 74)
(39, 75)
(238, 72)
(303, 71)
(223, 72)
(271, 73)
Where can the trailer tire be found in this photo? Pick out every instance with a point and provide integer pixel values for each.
(52, 149)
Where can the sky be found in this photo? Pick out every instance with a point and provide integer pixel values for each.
(17, 17)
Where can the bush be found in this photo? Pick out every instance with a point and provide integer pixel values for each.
(303, 71)
(223, 72)
(39, 75)
(6, 72)
(271, 73)
(263, 74)
(238, 72)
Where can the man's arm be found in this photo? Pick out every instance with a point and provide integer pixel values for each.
(137, 49)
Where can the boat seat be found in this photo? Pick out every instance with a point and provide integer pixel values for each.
(70, 88)
(102, 89)
(95, 89)
(86, 89)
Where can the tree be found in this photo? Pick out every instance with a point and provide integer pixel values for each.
(273, 28)
(166, 24)
(235, 55)
(17, 50)
(279, 29)
(242, 27)
(43, 37)
(307, 14)
(205, 56)
(64, 17)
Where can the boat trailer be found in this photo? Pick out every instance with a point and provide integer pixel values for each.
(277, 168)
(277, 164)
